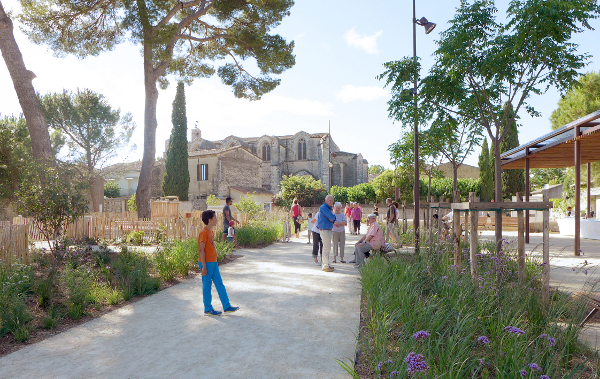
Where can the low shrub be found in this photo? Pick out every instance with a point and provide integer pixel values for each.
(44, 287)
(136, 237)
(131, 272)
(52, 319)
(259, 233)
(79, 282)
(16, 281)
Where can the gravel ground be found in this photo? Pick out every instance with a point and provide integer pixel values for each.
(294, 322)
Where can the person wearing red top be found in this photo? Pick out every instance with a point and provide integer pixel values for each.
(296, 212)
(207, 261)
(348, 214)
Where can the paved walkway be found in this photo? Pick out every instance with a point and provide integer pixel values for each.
(294, 322)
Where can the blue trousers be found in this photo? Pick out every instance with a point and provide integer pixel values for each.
(213, 275)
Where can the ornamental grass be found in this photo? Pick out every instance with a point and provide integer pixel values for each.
(428, 318)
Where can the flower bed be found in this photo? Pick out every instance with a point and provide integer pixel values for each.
(75, 282)
(426, 318)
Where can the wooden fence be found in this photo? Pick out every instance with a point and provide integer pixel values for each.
(14, 244)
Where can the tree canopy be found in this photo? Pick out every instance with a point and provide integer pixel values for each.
(581, 99)
(178, 38)
(482, 63)
(513, 180)
(93, 130)
(306, 189)
(486, 173)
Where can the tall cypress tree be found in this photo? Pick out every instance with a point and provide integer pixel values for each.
(513, 180)
(486, 173)
(176, 181)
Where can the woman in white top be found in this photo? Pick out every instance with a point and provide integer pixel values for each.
(339, 233)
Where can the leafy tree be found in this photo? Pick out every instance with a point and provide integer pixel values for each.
(132, 204)
(361, 193)
(15, 153)
(486, 173)
(305, 188)
(177, 38)
(482, 63)
(94, 131)
(384, 185)
(177, 176)
(513, 180)
(212, 201)
(250, 207)
(542, 176)
(53, 205)
(402, 154)
(22, 78)
(376, 169)
(340, 194)
(112, 189)
(445, 186)
(581, 99)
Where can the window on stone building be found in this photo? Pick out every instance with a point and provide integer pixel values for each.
(266, 152)
(301, 149)
(201, 172)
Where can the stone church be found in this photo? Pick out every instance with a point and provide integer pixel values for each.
(259, 163)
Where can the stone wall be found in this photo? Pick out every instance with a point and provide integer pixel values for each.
(115, 205)
(239, 168)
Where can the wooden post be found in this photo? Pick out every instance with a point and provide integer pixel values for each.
(467, 224)
(527, 192)
(546, 250)
(521, 240)
(473, 236)
(577, 192)
(456, 232)
(439, 221)
(589, 185)
(404, 226)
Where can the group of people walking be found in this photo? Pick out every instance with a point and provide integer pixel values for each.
(328, 228)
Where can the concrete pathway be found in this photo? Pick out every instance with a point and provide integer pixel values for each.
(294, 322)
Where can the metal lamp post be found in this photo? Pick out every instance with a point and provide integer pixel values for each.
(429, 26)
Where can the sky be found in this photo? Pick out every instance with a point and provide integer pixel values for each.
(340, 48)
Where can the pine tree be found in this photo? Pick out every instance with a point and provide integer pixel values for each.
(513, 181)
(176, 181)
(486, 175)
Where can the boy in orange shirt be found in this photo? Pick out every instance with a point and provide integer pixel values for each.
(207, 260)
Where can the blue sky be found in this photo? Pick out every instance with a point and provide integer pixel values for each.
(340, 49)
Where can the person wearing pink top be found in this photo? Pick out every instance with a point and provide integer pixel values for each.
(356, 216)
(348, 214)
(371, 241)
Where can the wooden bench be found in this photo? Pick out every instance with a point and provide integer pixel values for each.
(508, 223)
(591, 301)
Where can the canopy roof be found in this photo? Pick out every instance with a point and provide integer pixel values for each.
(556, 149)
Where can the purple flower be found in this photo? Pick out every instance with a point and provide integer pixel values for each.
(543, 336)
(415, 363)
(394, 373)
(544, 377)
(551, 341)
(480, 361)
(514, 330)
(483, 339)
(379, 366)
(535, 367)
(522, 372)
(421, 334)
(444, 277)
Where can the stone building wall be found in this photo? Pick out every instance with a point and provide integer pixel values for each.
(238, 168)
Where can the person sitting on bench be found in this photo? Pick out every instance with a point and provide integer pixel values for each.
(371, 241)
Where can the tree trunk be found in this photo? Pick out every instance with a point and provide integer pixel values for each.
(454, 177)
(142, 196)
(498, 192)
(21, 78)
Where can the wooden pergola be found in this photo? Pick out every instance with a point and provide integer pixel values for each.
(574, 144)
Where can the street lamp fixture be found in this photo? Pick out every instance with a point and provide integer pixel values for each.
(429, 26)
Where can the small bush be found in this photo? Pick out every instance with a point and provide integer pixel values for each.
(259, 233)
(15, 318)
(45, 288)
(136, 237)
(79, 283)
(51, 321)
(131, 271)
(112, 189)
(165, 265)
